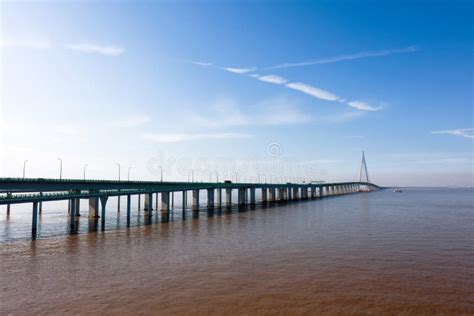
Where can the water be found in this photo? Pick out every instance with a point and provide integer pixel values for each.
(383, 252)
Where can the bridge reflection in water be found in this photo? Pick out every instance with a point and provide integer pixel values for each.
(219, 196)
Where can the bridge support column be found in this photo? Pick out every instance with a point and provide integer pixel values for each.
(313, 192)
(41, 205)
(139, 200)
(210, 198)
(94, 207)
(219, 197)
(118, 203)
(281, 194)
(34, 222)
(157, 205)
(78, 207)
(195, 200)
(149, 202)
(9, 195)
(288, 194)
(73, 212)
(165, 201)
(252, 196)
(185, 200)
(264, 195)
(271, 194)
(103, 202)
(304, 192)
(129, 208)
(241, 197)
(295, 193)
(228, 197)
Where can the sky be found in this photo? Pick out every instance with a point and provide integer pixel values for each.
(248, 91)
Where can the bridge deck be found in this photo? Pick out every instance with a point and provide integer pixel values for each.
(14, 190)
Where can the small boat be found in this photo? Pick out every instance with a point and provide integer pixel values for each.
(398, 190)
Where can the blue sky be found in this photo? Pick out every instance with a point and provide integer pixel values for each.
(292, 91)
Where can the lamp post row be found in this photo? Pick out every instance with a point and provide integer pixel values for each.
(259, 178)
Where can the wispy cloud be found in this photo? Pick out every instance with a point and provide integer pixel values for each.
(463, 132)
(181, 137)
(313, 91)
(106, 50)
(201, 63)
(272, 79)
(335, 59)
(298, 86)
(239, 70)
(359, 105)
(32, 44)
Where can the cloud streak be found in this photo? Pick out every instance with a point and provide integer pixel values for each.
(339, 58)
(239, 70)
(91, 48)
(272, 79)
(313, 91)
(462, 132)
(359, 105)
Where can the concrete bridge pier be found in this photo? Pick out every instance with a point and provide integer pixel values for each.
(9, 195)
(165, 201)
(73, 212)
(185, 200)
(103, 202)
(271, 194)
(295, 193)
(149, 202)
(252, 196)
(195, 200)
(288, 193)
(41, 204)
(241, 197)
(210, 198)
(34, 222)
(302, 193)
(172, 200)
(313, 192)
(157, 205)
(281, 194)
(219, 197)
(129, 208)
(78, 207)
(228, 197)
(118, 203)
(139, 200)
(264, 195)
(94, 207)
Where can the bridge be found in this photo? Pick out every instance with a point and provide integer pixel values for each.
(219, 194)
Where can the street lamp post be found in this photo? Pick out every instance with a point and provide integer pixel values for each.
(217, 176)
(118, 197)
(128, 173)
(118, 170)
(161, 174)
(85, 166)
(191, 171)
(60, 168)
(24, 167)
